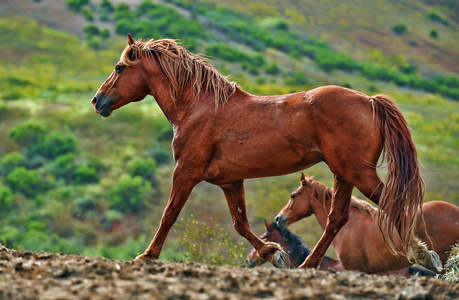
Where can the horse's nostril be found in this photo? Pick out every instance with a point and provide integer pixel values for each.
(93, 101)
(276, 219)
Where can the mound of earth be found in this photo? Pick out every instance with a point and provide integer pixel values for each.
(30, 275)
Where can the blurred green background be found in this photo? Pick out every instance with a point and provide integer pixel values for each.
(73, 182)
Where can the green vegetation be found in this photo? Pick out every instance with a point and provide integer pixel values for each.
(452, 265)
(72, 182)
(211, 245)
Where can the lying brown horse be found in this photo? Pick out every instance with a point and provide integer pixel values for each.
(298, 252)
(293, 245)
(224, 135)
(359, 245)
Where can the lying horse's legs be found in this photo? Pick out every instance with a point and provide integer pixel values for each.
(181, 189)
(338, 217)
(272, 252)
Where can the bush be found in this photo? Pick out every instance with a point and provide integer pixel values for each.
(64, 167)
(107, 6)
(434, 16)
(84, 175)
(433, 33)
(129, 194)
(451, 272)
(6, 199)
(297, 79)
(400, 29)
(76, 5)
(88, 15)
(28, 134)
(28, 182)
(145, 168)
(11, 161)
(272, 68)
(56, 144)
(209, 245)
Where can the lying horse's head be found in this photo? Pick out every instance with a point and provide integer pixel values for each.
(290, 242)
(126, 84)
(298, 207)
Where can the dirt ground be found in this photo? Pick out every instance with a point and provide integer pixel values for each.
(30, 275)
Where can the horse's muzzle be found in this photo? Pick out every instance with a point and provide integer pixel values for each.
(101, 105)
(281, 221)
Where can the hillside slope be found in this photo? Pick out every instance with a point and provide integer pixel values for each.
(362, 29)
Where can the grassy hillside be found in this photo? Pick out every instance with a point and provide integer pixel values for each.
(72, 182)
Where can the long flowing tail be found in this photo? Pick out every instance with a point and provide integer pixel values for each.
(403, 193)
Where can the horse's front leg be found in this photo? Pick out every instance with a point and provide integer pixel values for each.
(181, 188)
(272, 252)
(337, 218)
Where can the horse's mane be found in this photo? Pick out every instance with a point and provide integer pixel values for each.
(322, 192)
(181, 68)
(297, 247)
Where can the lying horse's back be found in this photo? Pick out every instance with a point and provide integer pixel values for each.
(442, 219)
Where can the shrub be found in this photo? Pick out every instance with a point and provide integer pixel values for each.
(11, 161)
(28, 134)
(433, 33)
(145, 168)
(272, 68)
(209, 245)
(129, 194)
(54, 145)
(297, 79)
(64, 167)
(28, 182)
(451, 272)
(91, 30)
(84, 175)
(436, 17)
(6, 199)
(400, 29)
(88, 15)
(107, 6)
(76, 5)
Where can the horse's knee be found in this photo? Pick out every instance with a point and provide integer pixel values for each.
(336, 222)
(241, 227)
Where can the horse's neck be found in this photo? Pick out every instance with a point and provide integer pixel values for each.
(321, 211)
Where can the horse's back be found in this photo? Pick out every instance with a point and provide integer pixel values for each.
(442, 222)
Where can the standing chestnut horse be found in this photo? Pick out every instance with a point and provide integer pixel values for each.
(224, 135)
(359, 245)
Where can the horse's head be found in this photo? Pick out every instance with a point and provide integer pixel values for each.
(126, 84)
(272, 234)
(298, 207)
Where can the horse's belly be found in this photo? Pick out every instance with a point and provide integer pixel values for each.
(247, 164)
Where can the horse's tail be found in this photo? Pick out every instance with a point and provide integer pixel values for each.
(403, 193)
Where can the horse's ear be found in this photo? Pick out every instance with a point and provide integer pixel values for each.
(266, 225)
(130, 39)
(303, 179)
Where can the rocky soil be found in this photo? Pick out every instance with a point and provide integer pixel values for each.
(30, 275)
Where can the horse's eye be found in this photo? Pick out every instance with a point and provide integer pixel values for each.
(119, 68)
(292, 197)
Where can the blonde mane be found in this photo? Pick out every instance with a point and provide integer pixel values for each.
(323, 193)
(181, 68)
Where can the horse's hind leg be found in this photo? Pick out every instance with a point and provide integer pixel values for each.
(272, 252)
(338, 217)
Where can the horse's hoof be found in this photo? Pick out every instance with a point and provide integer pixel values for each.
(143, 256)
(281, 260)
(433, 262)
